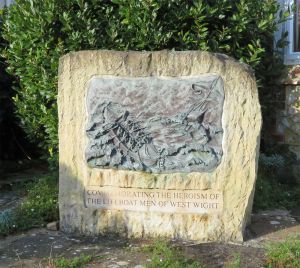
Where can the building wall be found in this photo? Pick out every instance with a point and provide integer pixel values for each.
(4, 3)
(289, 118)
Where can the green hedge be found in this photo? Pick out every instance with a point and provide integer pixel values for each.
(39, 32)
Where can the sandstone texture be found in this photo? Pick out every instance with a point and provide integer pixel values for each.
(234, 176)
(289, 118)
(292, 119)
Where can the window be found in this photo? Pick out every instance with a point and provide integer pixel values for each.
(292, 26)
(5, 3)
(297, 27)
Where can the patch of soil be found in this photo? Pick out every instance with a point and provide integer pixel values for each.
(217, 255)
(37, 246)
(271, 226)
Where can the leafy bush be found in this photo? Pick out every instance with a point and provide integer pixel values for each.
(272, 162)
(39, 32)
(40, 206)
(13, 144)
(277, 161)
(270, 194)
(275, 186)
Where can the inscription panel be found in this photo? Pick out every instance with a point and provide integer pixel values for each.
(169, 201)
(155, 124)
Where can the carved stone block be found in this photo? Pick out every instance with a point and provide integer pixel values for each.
(159, 144)
(153, 124)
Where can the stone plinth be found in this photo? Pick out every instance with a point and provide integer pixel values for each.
(157, 144)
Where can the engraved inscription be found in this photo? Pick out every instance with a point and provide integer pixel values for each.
(169, 201)
(158, 125)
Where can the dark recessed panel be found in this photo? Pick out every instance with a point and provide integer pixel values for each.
(152, 124)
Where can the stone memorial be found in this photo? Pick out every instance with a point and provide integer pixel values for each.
(157, 144)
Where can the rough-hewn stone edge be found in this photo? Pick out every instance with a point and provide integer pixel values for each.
(218, 56)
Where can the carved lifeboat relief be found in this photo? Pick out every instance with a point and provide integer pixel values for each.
(155, 124)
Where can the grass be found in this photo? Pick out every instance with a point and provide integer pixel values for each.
(6, 221)
(236, 262)
(76, 262)
(285, 254)
(164, 255)
(40, 206)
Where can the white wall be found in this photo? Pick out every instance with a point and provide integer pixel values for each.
(4, 3)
